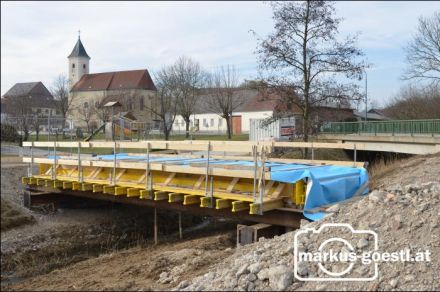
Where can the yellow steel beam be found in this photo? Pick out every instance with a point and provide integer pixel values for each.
(86, 187)
(147, 194)
(76, 186)
(120, 191)
(239, 206)
(267, 206)
(48, 183)
(109, 190)
(205, 202)
(32, 181)
(223, 204)
(191, 199)
(175, 197)
(41, 182)
(97, 188)
(299, 192)
(133, 192)
(67, 185)
(57, 184)
(25, 180)
(160, 195)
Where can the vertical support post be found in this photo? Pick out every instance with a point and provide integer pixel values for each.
(254, 153)
(355, 154)
(208, 192)
(180, 226)
(155, 225)
(31, 166)
(80, 173)
(54, 168)
(313, 152)
(148, 177)
(114, 165)
(262, 184)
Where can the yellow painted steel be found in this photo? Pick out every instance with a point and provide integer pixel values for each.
(57, 184)
(86, 187)
(191, 199)
(97, 188)
(120, 191)
(223, 204)
(41, 182)
(160, 195)
(175, 197)
(299, 196)
(205, 202)
(147, 194)
(76, 186)
(109, 190)
(133, 192)
(67, 185)
(239, 206)
(254, 209)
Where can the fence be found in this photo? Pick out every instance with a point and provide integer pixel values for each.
(412, 127)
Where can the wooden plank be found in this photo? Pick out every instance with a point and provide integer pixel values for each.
(199, 182)
(277, 191)
(169, 178)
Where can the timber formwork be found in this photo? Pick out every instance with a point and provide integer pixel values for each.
(198, 179)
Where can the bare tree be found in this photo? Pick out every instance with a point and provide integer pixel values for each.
(189, 79)
(84, 114)
(60, 92)
(20, 109)
(167, 96)
(415, 102)
(225, 95)
(305, 62)
(423, 52)
(35, 122)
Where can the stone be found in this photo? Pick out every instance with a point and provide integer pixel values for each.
(254, 268)
(252, 277)
(242, 270)
(393, 283)
(263, 274)
(376, 196)
(302, 269)
(280, 277)
(363, 242)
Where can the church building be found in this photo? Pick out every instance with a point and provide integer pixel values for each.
(133, 91)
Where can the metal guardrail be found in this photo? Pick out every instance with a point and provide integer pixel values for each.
(412, 127)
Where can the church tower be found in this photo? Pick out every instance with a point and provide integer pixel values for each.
(78, 63)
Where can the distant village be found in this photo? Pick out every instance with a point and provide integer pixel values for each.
(92, 99)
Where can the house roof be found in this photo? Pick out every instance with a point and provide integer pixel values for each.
(133, 79)
(371, 115)
(27, 88)
(253, 100)
(78, 50)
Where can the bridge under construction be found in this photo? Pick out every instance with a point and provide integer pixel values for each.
(216, 178)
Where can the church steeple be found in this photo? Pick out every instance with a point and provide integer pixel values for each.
(78, 62)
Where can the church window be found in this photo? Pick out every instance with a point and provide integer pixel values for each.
(73, 65)
(84, 66)
(141, 102)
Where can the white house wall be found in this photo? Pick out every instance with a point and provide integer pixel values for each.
(213, 126)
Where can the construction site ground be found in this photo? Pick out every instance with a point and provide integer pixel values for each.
(111, 248)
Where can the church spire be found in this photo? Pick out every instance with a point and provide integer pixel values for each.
(79, 50)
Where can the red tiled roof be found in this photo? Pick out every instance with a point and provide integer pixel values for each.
(133, 79)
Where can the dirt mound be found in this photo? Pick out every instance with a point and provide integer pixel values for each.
(13, 215)
(405, 214)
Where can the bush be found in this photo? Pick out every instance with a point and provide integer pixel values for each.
(9, 133)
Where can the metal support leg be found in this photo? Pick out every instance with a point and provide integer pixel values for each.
(254, 153)
(180, 226)
(54, 168)
(355, 154)
(31, 166)
(113, 182)
(155, 226)
(80, 176)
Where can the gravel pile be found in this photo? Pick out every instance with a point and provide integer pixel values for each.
(405, 216)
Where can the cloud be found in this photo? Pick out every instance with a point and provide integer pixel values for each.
(36, 37)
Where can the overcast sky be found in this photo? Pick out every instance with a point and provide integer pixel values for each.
(36, 38)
